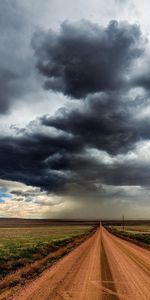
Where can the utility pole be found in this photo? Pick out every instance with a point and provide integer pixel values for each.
(123, 223)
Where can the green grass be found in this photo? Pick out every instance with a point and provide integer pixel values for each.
(136, 228)
(20, 246)
(139, 233)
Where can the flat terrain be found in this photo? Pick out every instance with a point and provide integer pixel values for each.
(20, 222)
(20, 246)
(103, 267)
(144, 228)
(137, 233)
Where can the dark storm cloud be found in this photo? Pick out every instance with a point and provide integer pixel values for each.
(85, 61)
(143, 81)
(105, 122)
(57, 158)
(91, 173)
(35, 159)
(86, 58)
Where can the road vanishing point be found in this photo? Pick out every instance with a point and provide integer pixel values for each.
(104, 267)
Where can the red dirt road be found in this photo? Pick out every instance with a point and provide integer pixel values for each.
(104, 267)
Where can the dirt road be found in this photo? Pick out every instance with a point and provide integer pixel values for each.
(104, 267)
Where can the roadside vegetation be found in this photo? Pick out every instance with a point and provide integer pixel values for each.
(26, 252)
(139, 234)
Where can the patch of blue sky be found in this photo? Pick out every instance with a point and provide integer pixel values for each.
(2, 201)
(4, 195)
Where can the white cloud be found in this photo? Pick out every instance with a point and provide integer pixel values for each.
(139, 155)
(26, 201)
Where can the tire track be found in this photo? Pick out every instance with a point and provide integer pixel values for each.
(108, 284)
(131, 280)
(70, 278)
(145, 266)
(104, 267)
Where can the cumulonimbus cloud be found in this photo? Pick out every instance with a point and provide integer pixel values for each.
(92, 63)
(85, 58)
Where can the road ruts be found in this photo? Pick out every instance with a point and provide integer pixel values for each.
(71, 278)
(104, 267)
(129, 266)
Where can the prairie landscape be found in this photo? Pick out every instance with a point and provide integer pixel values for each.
(73, 260)
(27, 248)
(74, 150)
(135, 231)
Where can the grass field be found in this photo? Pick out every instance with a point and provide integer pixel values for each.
(21, 246)
(138, 233)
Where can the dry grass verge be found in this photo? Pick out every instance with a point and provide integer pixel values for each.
(140, 239)
(10, 283)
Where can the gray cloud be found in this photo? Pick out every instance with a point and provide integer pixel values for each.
(85, 58)
(85, 147)
(107, 121)
(55, 153)
(17, 78)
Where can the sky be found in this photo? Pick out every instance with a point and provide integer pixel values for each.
(75, 109)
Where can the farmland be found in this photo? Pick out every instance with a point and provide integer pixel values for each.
(28, 250)
(102, 267)
(139, 233)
